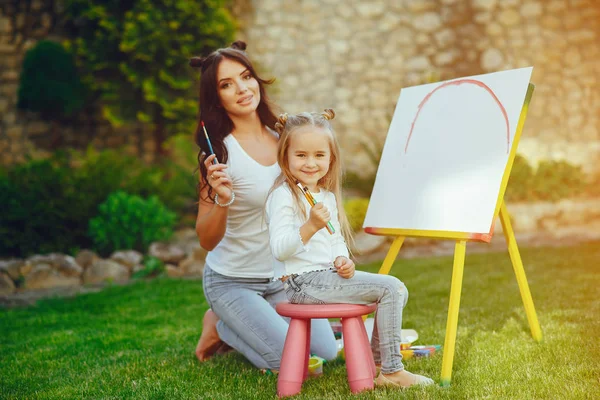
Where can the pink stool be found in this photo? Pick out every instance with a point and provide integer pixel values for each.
(296, 351)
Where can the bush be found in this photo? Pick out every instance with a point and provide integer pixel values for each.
(106, 171)
(360, 183)
(520, 183)
(592, 188)
(49, 82)
(356, 210)
(38, 205)
(153, 267)
(551, 181)
(555, 180)
(47, 204)
(129, 222)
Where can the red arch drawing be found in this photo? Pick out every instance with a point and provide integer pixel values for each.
(456, 83)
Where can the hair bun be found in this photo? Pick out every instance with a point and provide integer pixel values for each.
(238, 45)
(328, 114)
(196, 62)
(280, 124)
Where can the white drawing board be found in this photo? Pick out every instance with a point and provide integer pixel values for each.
(445, 153)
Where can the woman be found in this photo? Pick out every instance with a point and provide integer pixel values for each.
(234, 182)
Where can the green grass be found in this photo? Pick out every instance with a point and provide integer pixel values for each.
(137, 341)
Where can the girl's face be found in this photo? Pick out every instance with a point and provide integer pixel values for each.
(309, 155)
(238, 90)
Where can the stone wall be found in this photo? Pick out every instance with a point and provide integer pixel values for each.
(22, 24)
(355, 56)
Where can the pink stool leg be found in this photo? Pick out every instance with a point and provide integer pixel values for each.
(292, 369)
(307, 357)
(368, 350)
(358, 361)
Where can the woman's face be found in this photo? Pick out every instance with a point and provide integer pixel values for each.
(237, 88)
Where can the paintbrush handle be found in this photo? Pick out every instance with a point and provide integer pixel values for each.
(311, 200)
(209, 144)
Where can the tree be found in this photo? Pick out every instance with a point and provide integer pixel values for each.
(50, 85)
(133, 54)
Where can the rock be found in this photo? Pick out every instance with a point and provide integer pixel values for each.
(26, 268)
(445, 37)
(192, 247)
(174, 272)
(137, 267)
(531, 10)
(484, 4)
(370, 9)
(191, 267)
(427, 22)
(7, 286)
(185, 235)
(418, 63)
(509, 17)
(12, 268)
(66, 265)
(168, 253)
(85, 258)
(417, 6)
(365, 243)
(199, 254)
(128, 258)
(444, 58)
(63, 264)
(43, 276)
(106, 271)
(492, 59)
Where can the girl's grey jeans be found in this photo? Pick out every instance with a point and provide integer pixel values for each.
(322, 287)
(249, 323)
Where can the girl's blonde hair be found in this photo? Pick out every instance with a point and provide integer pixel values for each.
(287, 126)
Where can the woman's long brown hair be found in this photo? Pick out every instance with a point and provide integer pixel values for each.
(217, 121)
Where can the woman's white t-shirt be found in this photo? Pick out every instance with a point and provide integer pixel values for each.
(244, 249)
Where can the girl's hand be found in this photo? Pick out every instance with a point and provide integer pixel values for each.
(319, 216)
(218, 179)
(345, 267)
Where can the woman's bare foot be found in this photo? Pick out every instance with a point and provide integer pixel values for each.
(403, 379)
(209, 341)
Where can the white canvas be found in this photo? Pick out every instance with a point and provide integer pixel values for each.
(446, 174)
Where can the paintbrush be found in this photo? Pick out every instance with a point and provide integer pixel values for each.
(208, 141)
(311, 200)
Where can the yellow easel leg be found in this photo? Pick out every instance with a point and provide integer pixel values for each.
(452, 323)
(391, 255)
(515, 257)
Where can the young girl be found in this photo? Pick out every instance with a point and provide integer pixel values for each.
(318, 269)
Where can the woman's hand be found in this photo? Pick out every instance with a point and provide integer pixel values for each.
(218, 179)
(345, 267)
(319, 216)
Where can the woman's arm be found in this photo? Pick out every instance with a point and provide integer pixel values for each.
(211, 221)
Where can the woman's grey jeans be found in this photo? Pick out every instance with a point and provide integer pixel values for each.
(249, 323)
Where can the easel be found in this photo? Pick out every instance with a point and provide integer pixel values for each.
(461, 239)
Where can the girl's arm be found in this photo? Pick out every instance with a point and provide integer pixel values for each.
(285, 236)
